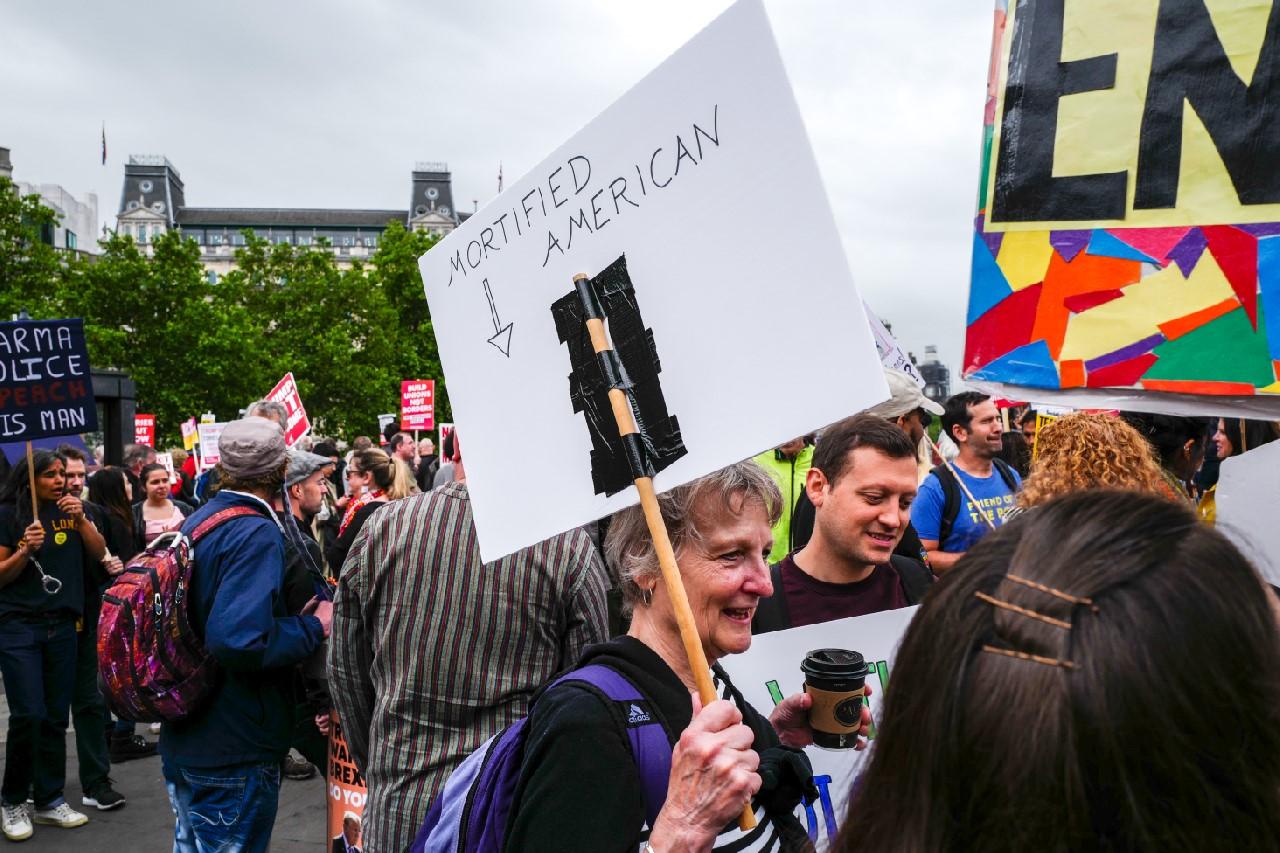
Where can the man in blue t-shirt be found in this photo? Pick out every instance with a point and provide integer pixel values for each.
(973, 421)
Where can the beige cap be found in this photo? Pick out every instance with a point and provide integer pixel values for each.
(905, 397)
(251, 447)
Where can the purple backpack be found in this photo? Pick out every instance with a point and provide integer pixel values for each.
(471, 813)
(152, 667)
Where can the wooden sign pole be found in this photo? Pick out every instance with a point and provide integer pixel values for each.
(31, 478)
(658, 532)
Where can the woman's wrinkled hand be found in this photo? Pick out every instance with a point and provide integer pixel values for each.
(713, 773)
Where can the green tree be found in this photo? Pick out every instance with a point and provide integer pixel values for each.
(334, 328)
(394, 271)
(32, 272)
(189, 345)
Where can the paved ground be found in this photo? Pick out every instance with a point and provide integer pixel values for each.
(145, 823)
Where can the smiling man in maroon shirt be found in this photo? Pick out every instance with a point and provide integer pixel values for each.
(862, 484)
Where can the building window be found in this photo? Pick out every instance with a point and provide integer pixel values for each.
(283, 239)
(211, 277)
(371, 242)
(156, 231)
(304, 239)
(142, 235)
(348, 241)
(237, 239)
(71, 240)
(215, 239)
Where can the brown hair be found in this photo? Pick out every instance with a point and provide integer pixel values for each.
(831, 453)
(1163, 735)
(1090, 451)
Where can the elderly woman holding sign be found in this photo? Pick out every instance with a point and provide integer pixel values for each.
(589, 782)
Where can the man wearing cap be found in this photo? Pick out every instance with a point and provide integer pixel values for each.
(304, 483)
(224, 760)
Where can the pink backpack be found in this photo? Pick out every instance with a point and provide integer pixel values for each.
(151, 665)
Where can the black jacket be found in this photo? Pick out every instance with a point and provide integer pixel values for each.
(577, 753)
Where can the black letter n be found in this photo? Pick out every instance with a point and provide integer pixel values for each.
(1025, 188)
(1190, 65)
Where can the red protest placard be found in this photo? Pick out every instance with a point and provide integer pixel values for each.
(286, 392)
(144, 430)
(418, 404)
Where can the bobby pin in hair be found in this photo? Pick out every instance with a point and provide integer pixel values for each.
(1065, 664)
(1056, 593)
(1022, 611)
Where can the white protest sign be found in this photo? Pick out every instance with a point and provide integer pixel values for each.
(769, 671)
(891, 354)
(166, 459)
(1247, 496)
(663, 179)
(209, 433)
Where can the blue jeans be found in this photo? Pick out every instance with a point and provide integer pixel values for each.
(223, 809)
(38, 662)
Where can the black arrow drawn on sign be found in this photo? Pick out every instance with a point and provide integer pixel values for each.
(501, 334)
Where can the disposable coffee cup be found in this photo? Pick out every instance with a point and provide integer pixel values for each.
(836, 679)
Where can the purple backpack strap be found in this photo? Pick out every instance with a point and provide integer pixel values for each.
(649, 743)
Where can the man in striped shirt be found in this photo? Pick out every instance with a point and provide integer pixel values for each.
(434, 652)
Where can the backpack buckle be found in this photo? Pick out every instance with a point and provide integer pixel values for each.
(159, 607)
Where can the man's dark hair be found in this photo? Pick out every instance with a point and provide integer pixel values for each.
(399, 439)
(446, 448)
(70, 451)
(957, 410)
(325, 448)
(1029, 416)
(831, 454)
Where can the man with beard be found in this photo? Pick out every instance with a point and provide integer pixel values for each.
(961, 503)
(862, 485)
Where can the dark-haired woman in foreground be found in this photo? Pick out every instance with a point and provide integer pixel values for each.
(42, 560)
(1100, 674)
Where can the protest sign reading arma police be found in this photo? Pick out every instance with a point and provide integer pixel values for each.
(1129, 236)
(769, 671)
(45, 385)
(653, 190)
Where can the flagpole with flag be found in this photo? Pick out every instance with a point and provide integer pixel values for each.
(499, 177)
(104, 143)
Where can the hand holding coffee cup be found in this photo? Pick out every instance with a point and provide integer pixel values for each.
(790, 720)
(835, 680)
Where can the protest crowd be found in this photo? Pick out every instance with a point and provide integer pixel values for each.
(1046, 668)
(632, 601)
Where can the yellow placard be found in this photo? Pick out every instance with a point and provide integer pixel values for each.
(1098, 129)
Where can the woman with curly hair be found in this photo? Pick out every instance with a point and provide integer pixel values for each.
(1083, 451)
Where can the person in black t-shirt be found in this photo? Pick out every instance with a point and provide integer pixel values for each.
(41, 597)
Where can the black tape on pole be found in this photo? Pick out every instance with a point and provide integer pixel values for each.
(632, 366)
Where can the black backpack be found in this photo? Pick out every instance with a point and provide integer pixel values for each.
(952, 497)
(773, 614)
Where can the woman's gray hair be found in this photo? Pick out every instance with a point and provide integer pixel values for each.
(687, 511)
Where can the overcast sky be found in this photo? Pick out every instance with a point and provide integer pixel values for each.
(328, 104)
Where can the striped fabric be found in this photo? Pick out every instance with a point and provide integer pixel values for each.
(432, 652)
